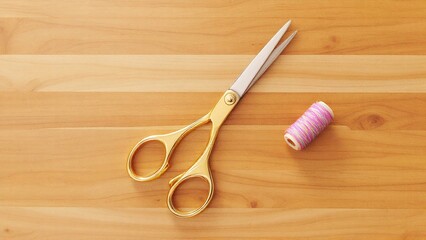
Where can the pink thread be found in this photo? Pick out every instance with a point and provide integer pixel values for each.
(318, 116)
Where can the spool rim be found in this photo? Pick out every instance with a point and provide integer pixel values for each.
(292, 142)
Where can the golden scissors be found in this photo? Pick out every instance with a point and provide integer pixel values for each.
(216, 116)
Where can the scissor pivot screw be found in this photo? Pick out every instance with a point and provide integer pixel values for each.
(230, 99)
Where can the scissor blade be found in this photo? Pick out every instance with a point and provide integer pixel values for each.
(271, 59)
(243, 81)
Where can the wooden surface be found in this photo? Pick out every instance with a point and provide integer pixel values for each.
(82, 81)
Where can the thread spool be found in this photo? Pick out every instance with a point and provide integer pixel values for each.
(302, 132)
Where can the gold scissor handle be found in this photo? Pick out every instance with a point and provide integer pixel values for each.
(200, 169)
(170, 141)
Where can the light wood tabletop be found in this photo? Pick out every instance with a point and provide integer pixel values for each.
(82, 81)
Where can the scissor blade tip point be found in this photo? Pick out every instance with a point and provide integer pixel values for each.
(292, 34)
(285, 27)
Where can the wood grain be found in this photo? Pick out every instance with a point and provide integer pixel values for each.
(101, 223)
(210, 73)
(213, 9)
(343, 168)
(355, 110)
(219, 27)
(82, 81)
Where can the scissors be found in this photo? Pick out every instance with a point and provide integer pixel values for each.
(217, 115)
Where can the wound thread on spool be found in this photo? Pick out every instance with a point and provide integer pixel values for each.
(318, 116)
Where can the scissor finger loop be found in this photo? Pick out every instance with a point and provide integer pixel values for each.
(169, 141)
(198, 170)
(138, 147)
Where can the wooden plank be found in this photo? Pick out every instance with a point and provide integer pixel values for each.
(354, 110)
(341, 169)
(204, 35)
(210, 73)
(214, 8)
(317, 224)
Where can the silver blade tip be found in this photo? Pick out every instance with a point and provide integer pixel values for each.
(287, 24)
